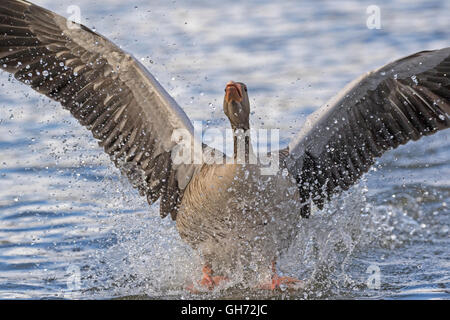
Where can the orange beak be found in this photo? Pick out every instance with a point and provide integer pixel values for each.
(233, 92)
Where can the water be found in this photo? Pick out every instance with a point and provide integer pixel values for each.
(72, 227)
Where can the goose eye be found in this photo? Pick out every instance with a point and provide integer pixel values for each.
(245, 88)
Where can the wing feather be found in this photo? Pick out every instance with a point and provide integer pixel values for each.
(105, 89)
(379, 111)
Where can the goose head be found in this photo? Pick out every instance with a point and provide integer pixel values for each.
(236, 105)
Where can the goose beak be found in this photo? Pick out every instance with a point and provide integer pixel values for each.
(233, 92)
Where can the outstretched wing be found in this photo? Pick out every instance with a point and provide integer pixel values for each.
(381, 110)
(106, 89)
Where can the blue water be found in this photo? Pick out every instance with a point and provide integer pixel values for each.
(72, 227)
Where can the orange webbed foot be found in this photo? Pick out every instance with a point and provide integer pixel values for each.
(208, 281)
(282, 283)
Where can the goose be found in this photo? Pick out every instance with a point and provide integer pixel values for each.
(230, 211)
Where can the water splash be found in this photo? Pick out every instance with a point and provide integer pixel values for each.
(149, 259)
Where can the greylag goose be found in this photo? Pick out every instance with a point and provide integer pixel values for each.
(230, 211)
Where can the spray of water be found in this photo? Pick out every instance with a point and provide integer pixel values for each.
(149, 259)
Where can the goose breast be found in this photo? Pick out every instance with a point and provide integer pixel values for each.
(230, 211)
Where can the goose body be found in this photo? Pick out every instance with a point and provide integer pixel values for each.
(232, 213)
